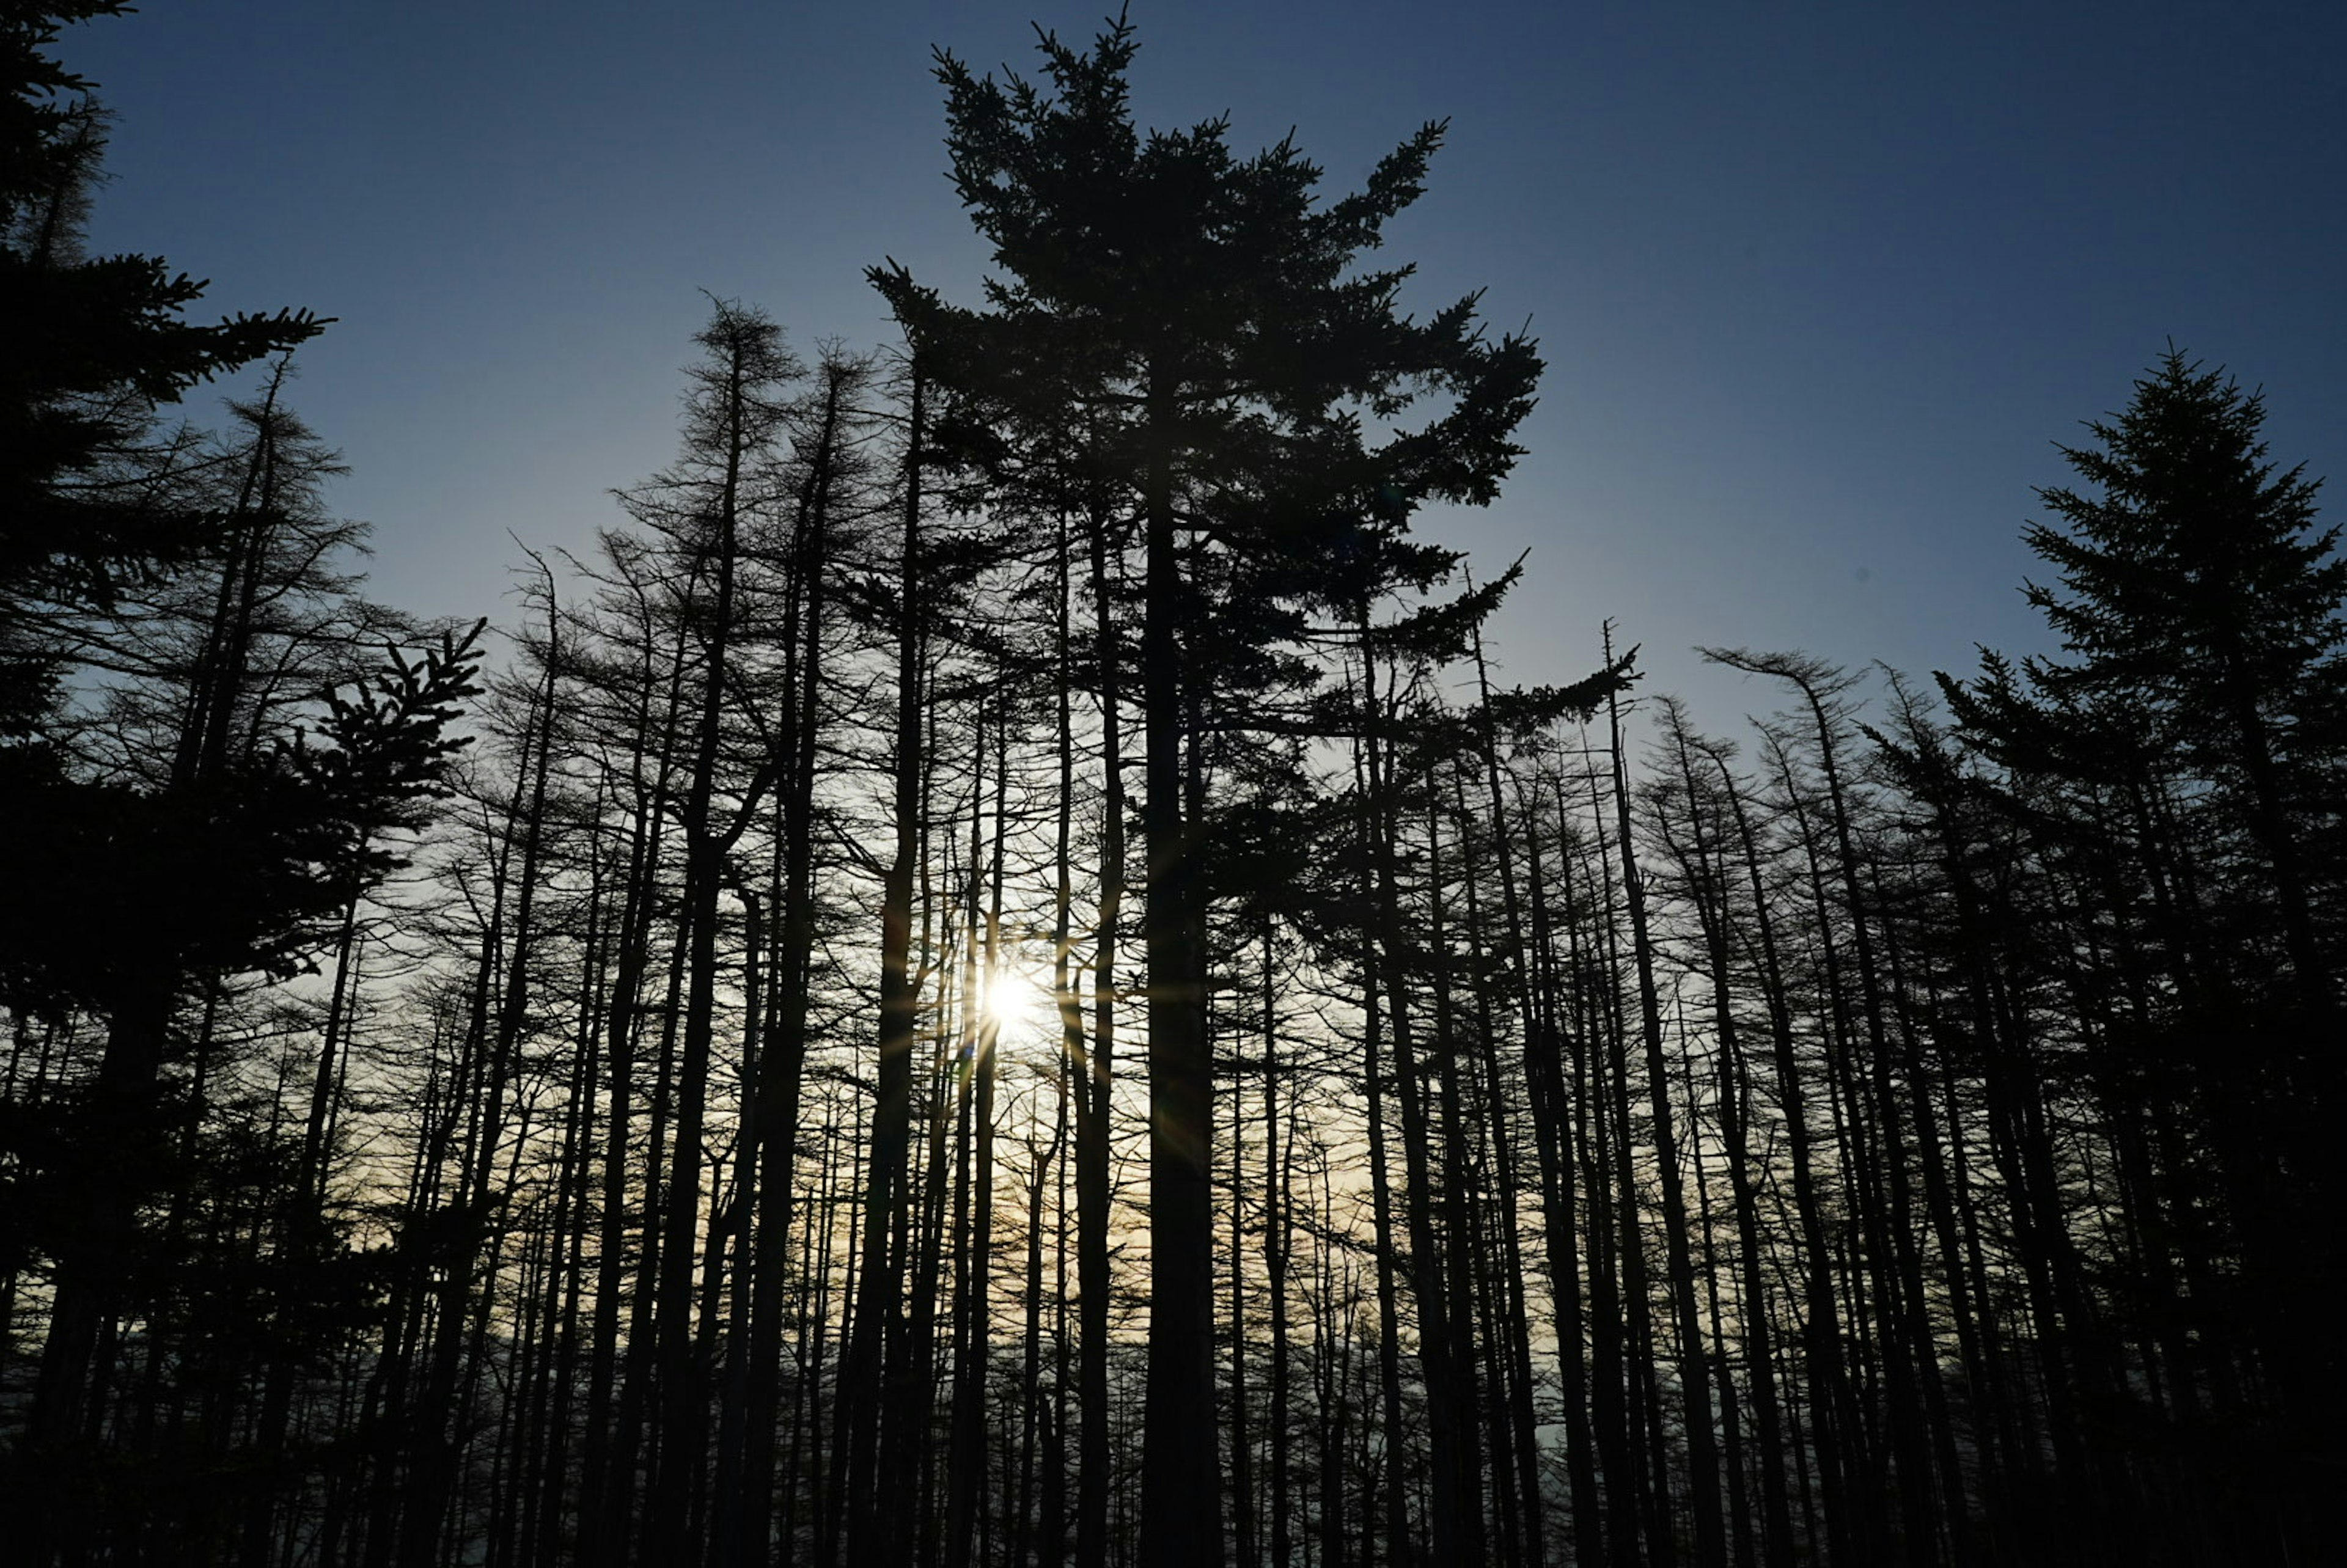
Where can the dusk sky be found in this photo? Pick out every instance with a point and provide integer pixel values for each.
(1818, 285)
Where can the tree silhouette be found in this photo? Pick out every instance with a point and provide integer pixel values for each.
(2185, 756)
(1898, 1136)
(1195, 322)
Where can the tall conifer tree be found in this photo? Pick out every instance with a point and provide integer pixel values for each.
(1198, 324)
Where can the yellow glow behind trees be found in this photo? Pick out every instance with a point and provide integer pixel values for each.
(1023, 1018)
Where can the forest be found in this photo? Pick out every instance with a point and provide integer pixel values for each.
(995, 976)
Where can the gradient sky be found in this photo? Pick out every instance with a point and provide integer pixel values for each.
(1819, 285)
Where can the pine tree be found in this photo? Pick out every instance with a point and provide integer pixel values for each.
(95, 345)
(2196, 585)
(1195, 325)
(2183, 760)
(230, 813)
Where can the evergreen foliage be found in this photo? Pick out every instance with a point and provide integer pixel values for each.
(201, 782)
(1192, 332)
(678, 1098)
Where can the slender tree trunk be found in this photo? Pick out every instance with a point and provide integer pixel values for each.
(1181, 1494)
(1094, 1080)
(854, 1498)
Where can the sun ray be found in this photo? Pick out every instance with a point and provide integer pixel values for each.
(1019, 1010)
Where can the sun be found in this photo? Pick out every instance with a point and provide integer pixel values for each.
(1022, 1013)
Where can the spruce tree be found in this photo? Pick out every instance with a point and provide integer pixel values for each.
(2185, 756)
(2194, 581)
(95, 345)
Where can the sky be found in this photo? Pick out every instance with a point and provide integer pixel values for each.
(1819, 285)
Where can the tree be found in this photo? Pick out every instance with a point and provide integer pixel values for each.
(95, 345)
(1196, 323)
(270, 812)
(2196, 584)
(225, 814)
(2182, 763)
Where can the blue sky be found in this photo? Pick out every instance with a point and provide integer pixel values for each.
(1818, 285)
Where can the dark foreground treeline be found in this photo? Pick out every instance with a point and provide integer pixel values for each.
(995, 981)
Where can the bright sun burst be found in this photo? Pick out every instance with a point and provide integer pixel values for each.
(1022, 1011)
